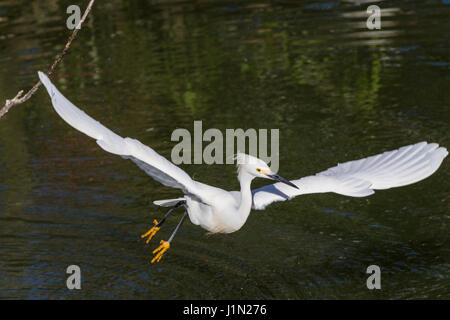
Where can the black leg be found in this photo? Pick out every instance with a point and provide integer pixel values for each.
(157, 225)
(179, 203)
(178, 226)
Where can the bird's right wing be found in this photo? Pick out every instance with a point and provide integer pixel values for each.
(158, 167)
(360, 178)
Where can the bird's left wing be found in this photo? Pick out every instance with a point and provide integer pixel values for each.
(158, 167)
(360, 178)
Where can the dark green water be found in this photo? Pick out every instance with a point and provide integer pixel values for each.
(336, 91)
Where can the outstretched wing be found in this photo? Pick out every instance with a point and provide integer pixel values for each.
(360, 178)
(158, 167)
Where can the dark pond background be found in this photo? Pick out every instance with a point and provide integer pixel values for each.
(336, 90)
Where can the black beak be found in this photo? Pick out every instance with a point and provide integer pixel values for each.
(281, 179)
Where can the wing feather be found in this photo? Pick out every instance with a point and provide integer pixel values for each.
(359, 178)
(158, 167)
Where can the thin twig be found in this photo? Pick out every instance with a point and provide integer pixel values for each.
(18, 99)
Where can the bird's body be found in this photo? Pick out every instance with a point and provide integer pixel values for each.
(221, 211)
(224, 217)
(226, 212)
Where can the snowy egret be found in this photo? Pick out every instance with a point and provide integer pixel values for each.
(220, 211)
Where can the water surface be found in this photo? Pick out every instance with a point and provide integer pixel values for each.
(335, 90)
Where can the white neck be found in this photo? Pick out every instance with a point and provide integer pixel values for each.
(245, 205)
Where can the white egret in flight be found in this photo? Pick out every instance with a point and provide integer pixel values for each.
(221, 211)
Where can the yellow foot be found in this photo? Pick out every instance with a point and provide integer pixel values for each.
(165, 245)
(150, 233)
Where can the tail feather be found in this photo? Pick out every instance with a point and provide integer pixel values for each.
(168, 202)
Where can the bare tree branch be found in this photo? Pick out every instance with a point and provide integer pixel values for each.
(18, 99)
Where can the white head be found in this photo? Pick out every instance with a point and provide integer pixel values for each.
(257, 168)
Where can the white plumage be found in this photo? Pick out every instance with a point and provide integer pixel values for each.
(155, 165)
(359, 178)
(217, 210)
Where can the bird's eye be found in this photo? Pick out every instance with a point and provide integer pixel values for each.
(259, 170)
